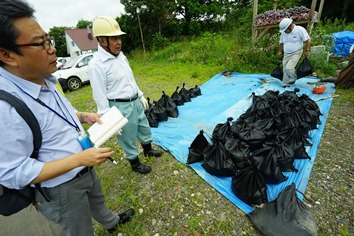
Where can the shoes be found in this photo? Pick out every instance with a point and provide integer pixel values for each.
(123, 218)
(288, 84)
(148, 151)
(142, 169)
(153, 153)
(138, 167)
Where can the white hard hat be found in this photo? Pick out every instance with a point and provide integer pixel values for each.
(106, 26)
(284, 24)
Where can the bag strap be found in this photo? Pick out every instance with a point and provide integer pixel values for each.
(28, 116)
(23, 110)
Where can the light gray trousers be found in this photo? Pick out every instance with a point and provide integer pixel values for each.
(290, 61)
(137, 127)
(73, 205)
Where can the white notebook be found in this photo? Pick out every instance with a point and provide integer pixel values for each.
(113, 121)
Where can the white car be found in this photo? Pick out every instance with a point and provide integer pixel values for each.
(61, 61)
(74, 72)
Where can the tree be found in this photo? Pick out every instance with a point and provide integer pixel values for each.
(171, 18)
(202, 15)
(155, 16)
(58, 35)
(82, 24)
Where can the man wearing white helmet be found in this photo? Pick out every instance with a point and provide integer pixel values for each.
(291, 43)
(113, 84)
(71, 193)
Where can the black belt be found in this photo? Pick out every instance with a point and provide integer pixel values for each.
(83, 171)
(124, 100)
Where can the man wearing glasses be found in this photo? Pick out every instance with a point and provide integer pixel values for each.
(291, 43)
(64, 167)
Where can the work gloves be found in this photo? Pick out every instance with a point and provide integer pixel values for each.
(144, 102)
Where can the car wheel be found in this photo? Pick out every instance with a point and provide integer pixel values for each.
(74, 83)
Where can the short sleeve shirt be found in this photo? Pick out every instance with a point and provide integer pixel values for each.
(293, 41)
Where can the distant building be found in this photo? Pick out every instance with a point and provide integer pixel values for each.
(80, 41)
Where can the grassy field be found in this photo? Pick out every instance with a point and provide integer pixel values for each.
(173, 199)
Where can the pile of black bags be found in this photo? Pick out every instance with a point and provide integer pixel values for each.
(166, 106)
(260, 145)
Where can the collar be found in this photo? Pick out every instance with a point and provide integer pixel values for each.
(104, 55)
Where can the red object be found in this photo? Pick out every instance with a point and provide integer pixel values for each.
(319, 89)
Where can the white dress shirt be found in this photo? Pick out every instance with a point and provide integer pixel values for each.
(111, 78)
(59, 139)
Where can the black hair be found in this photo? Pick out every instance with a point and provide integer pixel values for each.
(11, 10)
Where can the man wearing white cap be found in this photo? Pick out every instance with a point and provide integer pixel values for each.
(291, 43)
(113, 84)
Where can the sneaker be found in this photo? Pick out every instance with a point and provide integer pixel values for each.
(123, 218)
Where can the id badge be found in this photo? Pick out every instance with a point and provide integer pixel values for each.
(84, 141)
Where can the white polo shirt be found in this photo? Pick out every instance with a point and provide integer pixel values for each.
(293, 41)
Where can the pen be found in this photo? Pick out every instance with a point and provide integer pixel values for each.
(112, 160)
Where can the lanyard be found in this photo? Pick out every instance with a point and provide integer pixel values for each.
(73, 124)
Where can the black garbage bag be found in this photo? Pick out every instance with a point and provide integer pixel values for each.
(239, 152)
(222, 131)
(309, 111)
(295, 135)
(259, 104)
(277, 72)
(160, 111)
(192, 93)
(268, 165)
(252, 115)
(218, 161)
(285, 122)
(177, 98)
(151, 116)
(149, 102)
(271, 96)
(305, 68)
(237, 126)
(290, 96)
(300, 152)
(265, 125)
(196, 149)
(249, 186)
(197, 90)
(185, 94)
(169, 104)
(284, 154)
(253, 136)
(286, 215)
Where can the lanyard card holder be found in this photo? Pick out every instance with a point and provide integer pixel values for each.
(84, 141)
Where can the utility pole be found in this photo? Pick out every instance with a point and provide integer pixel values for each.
(141, 31)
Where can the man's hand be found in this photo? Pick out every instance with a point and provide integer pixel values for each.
(95, 156)
(144, 102)
(280, 54)
(89, 118)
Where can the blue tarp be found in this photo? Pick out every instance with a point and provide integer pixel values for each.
(342, 42)
(224, 97)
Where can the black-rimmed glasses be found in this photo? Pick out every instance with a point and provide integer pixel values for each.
(46, 44)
